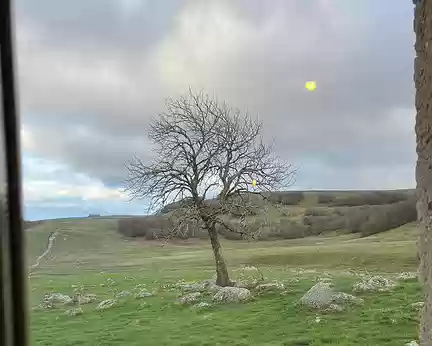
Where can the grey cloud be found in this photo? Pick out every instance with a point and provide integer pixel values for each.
(128, 23)
(256, 55)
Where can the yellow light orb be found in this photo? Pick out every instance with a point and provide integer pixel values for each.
(254, 182)
(311, 85)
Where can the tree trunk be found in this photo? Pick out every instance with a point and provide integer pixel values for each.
(423, 128)
(222, 278)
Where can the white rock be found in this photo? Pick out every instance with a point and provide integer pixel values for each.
(248, 283)
(250, 268)
(123, 294)
(106, 304)
(53, 298)
(374, 283)
(270, 287)
(319, 296)
(143, 294)
(342, 298)
(232, 294)
(412, 343)
(334, 308)
(407, 276)
(85, 298)
(74, 312)
(202, 305)
(190, 298)
(213, 288)
(417, 305)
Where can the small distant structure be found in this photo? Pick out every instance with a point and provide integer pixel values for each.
(94, 215)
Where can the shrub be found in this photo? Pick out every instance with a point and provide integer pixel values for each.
(320, 211)
(149, 227)
(371, 198)
(320, 224)
(286, 197)
(154, 227)
(325, 198)
(389, 216)
(288, 229)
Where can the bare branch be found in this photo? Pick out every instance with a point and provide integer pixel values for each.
(205, 147)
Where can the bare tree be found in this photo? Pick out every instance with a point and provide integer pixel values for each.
(204, 147)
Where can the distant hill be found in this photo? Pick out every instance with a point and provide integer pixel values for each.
(297, 214)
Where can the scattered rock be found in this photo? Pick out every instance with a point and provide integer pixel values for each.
(143, 305)
(270, 287)
(213, 288)
(74, 312)
(123, 294)
(106, 304)
(374, 284)
(334, 308)
(249, 284)
(190, 298)
(143, 294)
(324, 279)
(232, 295)
(201, 306)
(349, 272)
(346, 299)
(412, 343)
(407, 276)
(50, 299)
(82, 299)
(194, 287)
(319, 296)
(250, 268)
(301, 271)
(417, 305)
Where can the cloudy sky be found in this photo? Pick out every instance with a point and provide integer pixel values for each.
(92, 72)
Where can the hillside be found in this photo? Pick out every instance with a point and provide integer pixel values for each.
(296, 214)
(90, 255)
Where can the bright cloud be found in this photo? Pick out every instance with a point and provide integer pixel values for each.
(91, 74)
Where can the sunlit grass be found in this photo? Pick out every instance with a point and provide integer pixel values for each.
(88, 252)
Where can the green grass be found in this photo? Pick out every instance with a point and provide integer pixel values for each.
(88, 252)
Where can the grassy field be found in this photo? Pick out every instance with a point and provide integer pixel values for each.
(90, 253)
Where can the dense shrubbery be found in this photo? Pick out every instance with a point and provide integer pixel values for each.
(155, 227)
(286, 197)
(342, 213)
(389, 216)
(367, 219)
(147, 226)
(325, 198)
(359, 198)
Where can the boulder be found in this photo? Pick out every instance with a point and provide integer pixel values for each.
(82, 299)
(334, 308)
(143, 293)
(342, 298)
(106, 304)
(50, 299)
(190, 298)
(417, 305)
(412, 343)
(201, 306)
(319, 296)
(123, 294)
(270, 287)
(74, 312)
(407, 276)
(232, 295)
(374, 284)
